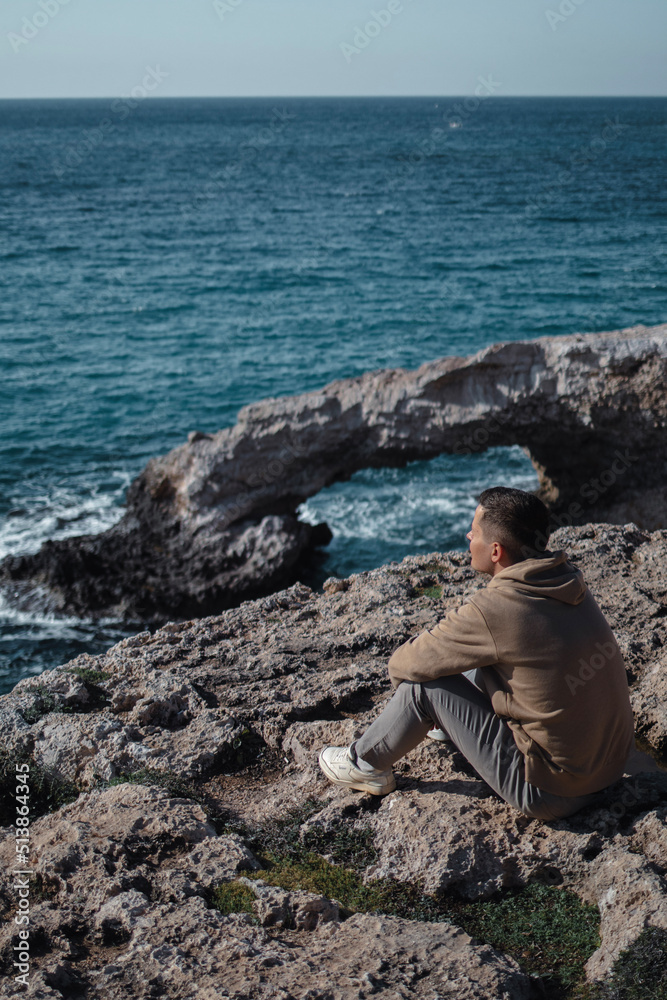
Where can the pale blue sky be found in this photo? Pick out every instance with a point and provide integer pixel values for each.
(102, 48)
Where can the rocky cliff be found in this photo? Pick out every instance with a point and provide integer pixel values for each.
(214, 521)
(193, 752)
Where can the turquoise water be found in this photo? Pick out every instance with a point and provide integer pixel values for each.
(206, 253)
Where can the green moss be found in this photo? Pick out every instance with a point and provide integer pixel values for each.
(41, 889)
(283, 839)
(242, 746)
(88, 675)
(233, 897)
(48, 790)
(546, 928)
(345, 845)
(224, 826)
(313, 873)
(434, 567)
(434, 592)
(549, 931)
(43, 703)
(246, 750)
(173, 783)
(280, 838)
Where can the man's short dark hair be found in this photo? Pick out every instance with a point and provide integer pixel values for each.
(516, 519)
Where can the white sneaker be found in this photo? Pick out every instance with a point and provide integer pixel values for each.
(438, 734)
(341, 769)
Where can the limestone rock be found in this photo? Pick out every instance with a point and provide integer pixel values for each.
(214, 521)
(131, 868)
(237, 706)
(119, 916)
(302, 911)
(631, 895)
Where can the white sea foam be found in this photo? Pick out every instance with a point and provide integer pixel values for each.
(31, 639)
(45, 625)
(413, 508)
(59, 510)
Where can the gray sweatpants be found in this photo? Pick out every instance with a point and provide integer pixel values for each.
(460, 705)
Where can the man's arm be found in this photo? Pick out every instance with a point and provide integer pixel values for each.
(461, 641)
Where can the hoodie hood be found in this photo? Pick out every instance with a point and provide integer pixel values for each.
(548, 575)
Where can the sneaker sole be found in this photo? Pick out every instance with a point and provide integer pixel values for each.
(359, 786)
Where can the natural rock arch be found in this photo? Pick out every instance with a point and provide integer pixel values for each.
(214, 521)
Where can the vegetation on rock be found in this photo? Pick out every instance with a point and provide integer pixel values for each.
(49, 790)
(547, 929)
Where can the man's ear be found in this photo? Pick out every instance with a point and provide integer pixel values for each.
(497, 552)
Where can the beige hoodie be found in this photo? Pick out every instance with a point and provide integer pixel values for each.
(551, 665)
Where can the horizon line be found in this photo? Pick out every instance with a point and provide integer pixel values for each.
(340, 97)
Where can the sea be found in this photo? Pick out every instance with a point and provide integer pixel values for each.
(164, 262)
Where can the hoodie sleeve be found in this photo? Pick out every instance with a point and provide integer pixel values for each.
(461, 641)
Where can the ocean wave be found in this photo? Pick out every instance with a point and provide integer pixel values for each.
(43, 625)
(31, 642)
(414, 507)
(55, 511)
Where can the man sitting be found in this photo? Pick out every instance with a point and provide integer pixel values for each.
(501, 676)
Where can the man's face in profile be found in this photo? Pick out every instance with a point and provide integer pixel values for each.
(480, 549)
